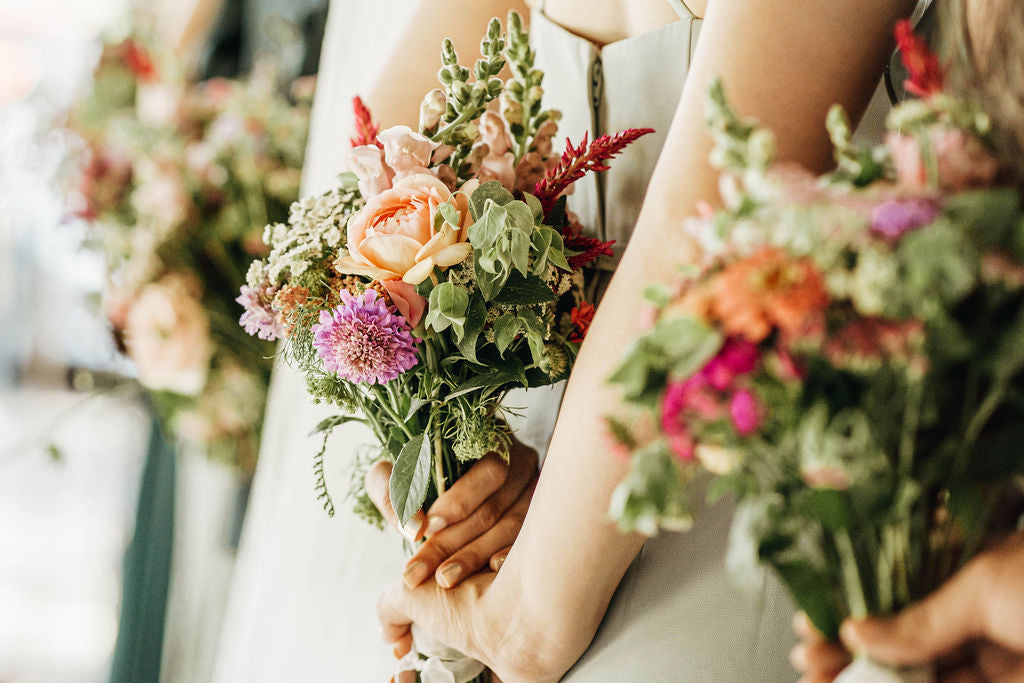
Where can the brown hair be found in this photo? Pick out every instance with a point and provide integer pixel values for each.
(984, 43)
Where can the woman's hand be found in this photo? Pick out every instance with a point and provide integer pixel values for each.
(972, 627)
(472, 524)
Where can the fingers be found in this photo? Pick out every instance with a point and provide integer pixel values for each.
(498, 558)
(477, 554)
(805, 629)
(467, 493)
(443, 545)
(393, 614)
(819, 660)
(376, 481)
(924, 631)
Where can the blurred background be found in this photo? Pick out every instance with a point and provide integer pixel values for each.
(133, 191)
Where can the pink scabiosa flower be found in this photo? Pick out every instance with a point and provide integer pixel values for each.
(259, 317)
(363, 341)
(895, 217)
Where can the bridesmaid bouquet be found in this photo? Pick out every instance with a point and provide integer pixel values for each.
(171, 177)
(442, 271)
(846, 360)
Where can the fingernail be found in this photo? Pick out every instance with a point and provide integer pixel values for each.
(449, 574)
(415, 573)
(848, 634)
(435, 524)
(498, 561)
(412, 528)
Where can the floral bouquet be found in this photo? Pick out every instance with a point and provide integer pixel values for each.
(442, 272)
(846, 360)
(172, 176)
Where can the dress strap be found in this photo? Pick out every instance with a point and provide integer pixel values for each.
(678, 5)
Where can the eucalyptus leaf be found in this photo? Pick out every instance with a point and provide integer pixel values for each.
(536, 208)
(447, 307)
(495, 377)
(409, 478)
(492, 191)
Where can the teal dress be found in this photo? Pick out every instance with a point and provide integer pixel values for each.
(676, 616)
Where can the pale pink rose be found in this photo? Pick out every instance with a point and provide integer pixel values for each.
(367, 162)
(167, 335)
(962, 160)
(406, 151)
(393, 238)
(500, 168)
(494, 133)
(157, 104)
(160, 199)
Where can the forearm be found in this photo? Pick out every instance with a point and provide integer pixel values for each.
(569, 557)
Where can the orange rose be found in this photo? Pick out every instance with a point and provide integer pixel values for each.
(393, 236)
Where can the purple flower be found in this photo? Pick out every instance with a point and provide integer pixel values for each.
(259, 317)
(363, 341)
(894, 217)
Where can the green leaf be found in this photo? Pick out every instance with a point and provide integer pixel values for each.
(495, 377)
(448, 212)
(329, 423)
(987, 215)
(489, 283)
(535, 206)
(505, 330)
(520, 250)
(414, 407)
(524, 291)
(828, 506)
(447, 307)
(686, 342)
(550, 247)
(491, 190)
(520, 216)
(809, 588)
(409, 478)
(490, 226)
(475, 319)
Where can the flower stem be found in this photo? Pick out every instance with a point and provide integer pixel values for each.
(851, 575)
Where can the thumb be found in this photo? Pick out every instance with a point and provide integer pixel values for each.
(926, 630)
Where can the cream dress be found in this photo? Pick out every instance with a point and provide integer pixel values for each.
(305, 587)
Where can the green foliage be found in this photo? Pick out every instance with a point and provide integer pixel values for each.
(410, 477)
(653, 494)
(448, 305)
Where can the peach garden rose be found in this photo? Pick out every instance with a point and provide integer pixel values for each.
(393, 239)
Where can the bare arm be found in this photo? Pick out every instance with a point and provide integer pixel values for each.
(783, 61)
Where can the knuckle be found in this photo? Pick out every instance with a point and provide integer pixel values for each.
(493, 470)
(487, 515)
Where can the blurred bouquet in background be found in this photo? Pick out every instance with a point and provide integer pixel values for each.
(847, 359)
(175, 179)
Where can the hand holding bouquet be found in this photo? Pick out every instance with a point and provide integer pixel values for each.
(443, 271)
(847, 359)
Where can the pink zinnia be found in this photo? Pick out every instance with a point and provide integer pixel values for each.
(362, 340)
(737, 357)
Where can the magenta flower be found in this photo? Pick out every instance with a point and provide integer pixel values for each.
(737, 357)
(744, 413)
(259, 317)
(895, 217)
(673, 419)
(362, 340)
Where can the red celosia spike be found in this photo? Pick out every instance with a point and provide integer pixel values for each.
(366, 129)
(924, 75)
(577, 161)
(589, 247)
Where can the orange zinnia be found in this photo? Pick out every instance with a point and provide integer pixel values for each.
(768, 290)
